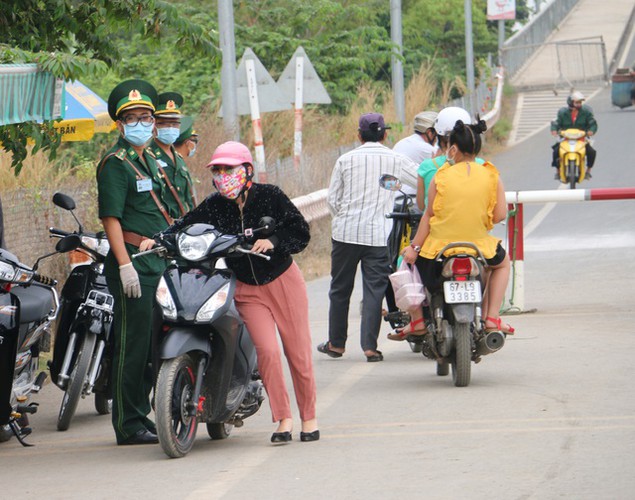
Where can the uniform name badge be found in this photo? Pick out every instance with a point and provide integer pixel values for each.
(162, 164)
(144, 185)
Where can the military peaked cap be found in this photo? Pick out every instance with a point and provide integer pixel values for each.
(131, 94)
(169, 105)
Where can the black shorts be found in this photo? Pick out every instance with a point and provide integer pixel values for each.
(430, 269)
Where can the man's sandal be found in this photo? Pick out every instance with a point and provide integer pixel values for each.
(408, 330)
(500, 326)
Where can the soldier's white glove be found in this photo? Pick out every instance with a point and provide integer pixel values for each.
(130, 281)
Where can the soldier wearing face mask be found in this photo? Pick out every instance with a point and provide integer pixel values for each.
(187, 141)
(172, 167)
(132, 207)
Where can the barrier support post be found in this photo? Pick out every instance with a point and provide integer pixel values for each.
(515, 243)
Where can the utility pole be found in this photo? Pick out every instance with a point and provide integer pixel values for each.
(396, 66)
(501, 40)
(469, 56)
(228, 69)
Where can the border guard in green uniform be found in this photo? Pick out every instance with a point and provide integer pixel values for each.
(131, 207)
(187, 141)
(171, 165)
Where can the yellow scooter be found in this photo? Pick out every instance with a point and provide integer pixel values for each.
(572, 153)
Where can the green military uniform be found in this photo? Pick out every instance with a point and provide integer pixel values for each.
(180, 179)
(181, 198)
(130, 190)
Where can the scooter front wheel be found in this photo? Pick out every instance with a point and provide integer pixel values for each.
(76, 382)
(219, 430)
(176, 428)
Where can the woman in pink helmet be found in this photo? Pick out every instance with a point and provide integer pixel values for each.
(269, 294)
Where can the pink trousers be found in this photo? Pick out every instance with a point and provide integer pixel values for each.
(284, 304)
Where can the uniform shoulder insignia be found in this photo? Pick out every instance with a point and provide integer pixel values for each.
(151, 153)
(120, 153)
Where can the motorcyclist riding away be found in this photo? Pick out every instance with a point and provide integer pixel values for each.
(575, 115)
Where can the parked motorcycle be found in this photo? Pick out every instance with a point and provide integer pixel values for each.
(455, 329)
(82, 355)
(572, 153)
(208, 367)
(405, 216)
(28, 305)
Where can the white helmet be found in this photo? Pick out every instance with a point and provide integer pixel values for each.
(447, 118)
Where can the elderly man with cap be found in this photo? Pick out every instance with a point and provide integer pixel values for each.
(422, 144)
(171, 165)
(131, 198)
(360, 233)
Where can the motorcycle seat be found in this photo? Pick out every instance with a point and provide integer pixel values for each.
(36, 302)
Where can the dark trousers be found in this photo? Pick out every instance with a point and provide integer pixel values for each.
(132, 377)
(375, 271)
(590, 155)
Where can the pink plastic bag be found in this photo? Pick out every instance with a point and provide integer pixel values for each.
(408, 288)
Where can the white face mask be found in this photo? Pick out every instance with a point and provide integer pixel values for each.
(451, 161)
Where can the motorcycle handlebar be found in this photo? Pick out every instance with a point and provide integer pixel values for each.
(401, 215)
(58, 232)
(44, 280)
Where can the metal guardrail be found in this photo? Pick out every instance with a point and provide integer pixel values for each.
(521, 46)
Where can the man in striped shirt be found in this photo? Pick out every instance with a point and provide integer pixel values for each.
(360, 233)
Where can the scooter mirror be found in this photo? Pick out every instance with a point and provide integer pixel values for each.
(267, 226)
(68, 243)
(63, 201)
(390, 182)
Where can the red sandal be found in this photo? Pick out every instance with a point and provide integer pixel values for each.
(408, 330)
(508, 330)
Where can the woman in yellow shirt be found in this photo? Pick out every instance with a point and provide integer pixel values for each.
(464, 202)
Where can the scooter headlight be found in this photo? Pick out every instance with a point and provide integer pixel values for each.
(7, 272)
(164, 299)
(213, 304)
(195, 247)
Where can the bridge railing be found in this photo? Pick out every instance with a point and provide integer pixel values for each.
(521, 46)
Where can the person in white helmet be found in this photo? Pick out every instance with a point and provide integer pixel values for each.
(443, 125)
(575, 115)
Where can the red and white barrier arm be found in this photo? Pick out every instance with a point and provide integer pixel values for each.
(560, 195)
(515, 235)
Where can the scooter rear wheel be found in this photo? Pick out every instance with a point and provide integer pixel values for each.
(462, 360)
(175, 386)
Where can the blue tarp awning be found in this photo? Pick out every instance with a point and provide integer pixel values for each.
(28, 94)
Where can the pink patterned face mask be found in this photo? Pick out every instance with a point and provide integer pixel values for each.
(230, 181)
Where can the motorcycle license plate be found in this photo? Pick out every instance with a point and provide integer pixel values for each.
(459, 292)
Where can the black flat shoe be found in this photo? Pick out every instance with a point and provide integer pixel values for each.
(373, 358)
(310, 436)
(143, 436)
(281, 437)
(325, 348)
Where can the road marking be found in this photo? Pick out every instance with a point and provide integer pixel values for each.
(220, 485)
